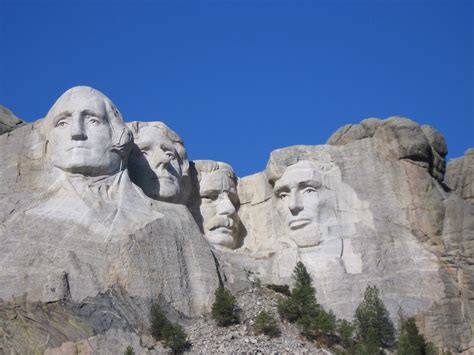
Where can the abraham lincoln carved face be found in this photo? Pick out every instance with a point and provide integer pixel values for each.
(300, 200)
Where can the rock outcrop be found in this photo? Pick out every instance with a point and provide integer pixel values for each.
(8, 120)
(460, 175)
(404, 139)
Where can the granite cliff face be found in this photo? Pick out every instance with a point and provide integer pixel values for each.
(75, 230)
(100, 220)
(380, 214)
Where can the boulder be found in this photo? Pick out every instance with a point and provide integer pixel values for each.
(8, 120)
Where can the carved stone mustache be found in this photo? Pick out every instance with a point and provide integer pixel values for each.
(219, 221)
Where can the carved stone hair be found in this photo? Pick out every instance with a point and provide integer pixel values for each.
(281, 159)
(169, 133)
(208, 166)
(122, 138)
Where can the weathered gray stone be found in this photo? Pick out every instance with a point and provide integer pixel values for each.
(29, 327)
(439, 150)
(8, 120)
(404, 139)
(460, 175)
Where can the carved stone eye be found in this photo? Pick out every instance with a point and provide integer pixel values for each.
(309, 190)
(94, 122)
(61, 124)
(171, 155)
(210, 197)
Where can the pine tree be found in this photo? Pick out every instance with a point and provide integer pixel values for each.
(411, 342)
(302, 301)
(301, 275)
(171, 335)
(129, 351)
(224, 309)
(158, 322)
(301, 307)
(372, 320)
(175, 338)
(266, 324)
(370, 344)
(345, 330)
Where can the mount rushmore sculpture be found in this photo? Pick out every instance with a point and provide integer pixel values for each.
(103, 217)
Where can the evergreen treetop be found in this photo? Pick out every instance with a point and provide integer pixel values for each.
(224, 308)
(372, 318)
(302, 277)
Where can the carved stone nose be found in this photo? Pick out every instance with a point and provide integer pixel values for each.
(295, 204)
(78, 132)
(225, 206)
(161, 159)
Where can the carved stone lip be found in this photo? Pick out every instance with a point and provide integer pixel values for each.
(222, 229)
(299, 223)
(77, 147)
(227, 224)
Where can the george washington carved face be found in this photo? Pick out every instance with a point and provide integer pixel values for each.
(81, 135)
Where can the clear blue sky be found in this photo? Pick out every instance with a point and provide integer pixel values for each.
(237, 79)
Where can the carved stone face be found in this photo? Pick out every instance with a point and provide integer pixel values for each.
(298, 203)
(80, 136)
(155, 165)
(218, 208)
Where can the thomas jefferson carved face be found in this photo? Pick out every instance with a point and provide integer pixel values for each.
(80, 134)
(299, 202)
(156, 165)
(218, 208)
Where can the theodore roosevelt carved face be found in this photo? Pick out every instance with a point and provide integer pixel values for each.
(219, 202)
(298, 194)
(86, 134)
(158, 161)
